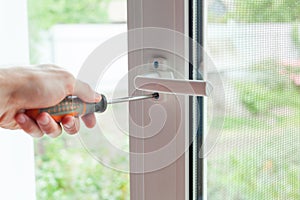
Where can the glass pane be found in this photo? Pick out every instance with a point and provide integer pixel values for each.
(65, 33)
(255, 45)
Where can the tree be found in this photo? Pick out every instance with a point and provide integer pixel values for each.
(266, 11)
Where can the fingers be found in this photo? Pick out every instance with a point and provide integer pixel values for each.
(48, 125)
(7, 122)
(70, 124)
(28, 125)
(85, 92)
(89, 120)
(11, 126)
(44, 124)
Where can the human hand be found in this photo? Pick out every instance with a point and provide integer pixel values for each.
(40, 87)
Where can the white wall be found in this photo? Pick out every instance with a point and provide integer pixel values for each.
(17, 180)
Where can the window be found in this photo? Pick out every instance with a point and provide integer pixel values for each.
(240, 142)
(251, 58)
(66, 33)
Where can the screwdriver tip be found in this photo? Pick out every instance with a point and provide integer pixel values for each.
(155, 95)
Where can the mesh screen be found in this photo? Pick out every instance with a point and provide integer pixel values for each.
(255, 46)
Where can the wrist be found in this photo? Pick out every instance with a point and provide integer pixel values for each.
(5, 85)
(4, 89)
(10, 82)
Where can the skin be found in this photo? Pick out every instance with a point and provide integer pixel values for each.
(40, 87)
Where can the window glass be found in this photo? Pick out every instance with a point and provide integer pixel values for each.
(256, 47)
(65, 33)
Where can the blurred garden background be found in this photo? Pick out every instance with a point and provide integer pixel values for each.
(255, 45)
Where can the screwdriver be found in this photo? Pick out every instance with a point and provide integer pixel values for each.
(74, 106)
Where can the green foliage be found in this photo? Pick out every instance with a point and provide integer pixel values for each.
(46, 13)
(259, 11)
(295, 37)
(268, 89)
(267, 11)
(67, 173)
(266, 169)
(234, 123)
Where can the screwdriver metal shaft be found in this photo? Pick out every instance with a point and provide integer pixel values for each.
(135, 98)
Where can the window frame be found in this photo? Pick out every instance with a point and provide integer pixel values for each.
(193, 171)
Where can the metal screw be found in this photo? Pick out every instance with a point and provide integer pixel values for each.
(156, 64)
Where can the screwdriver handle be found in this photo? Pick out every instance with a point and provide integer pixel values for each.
(72, 106)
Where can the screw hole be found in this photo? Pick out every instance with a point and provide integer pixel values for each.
(155, 95)
(156, 64)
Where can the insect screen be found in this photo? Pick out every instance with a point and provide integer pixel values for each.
(255, 45)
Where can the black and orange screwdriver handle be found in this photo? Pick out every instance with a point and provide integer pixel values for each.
(72, 106)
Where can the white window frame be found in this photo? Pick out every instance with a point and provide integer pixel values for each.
(175, 181)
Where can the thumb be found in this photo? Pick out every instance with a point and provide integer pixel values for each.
(85, 92)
